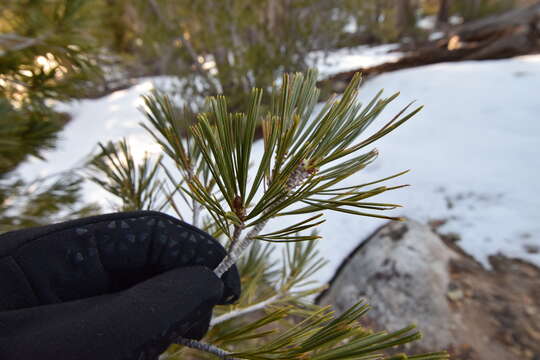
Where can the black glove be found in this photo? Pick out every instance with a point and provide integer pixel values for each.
(117, 286)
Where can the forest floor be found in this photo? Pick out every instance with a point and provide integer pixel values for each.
(500, 307)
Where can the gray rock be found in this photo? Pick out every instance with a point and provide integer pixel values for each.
(409, 274)
(401, 271)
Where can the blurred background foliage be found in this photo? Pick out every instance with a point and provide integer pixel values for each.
(58, 50)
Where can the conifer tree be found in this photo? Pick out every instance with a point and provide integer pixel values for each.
(209, 168)
(232, 46)
(47, 53)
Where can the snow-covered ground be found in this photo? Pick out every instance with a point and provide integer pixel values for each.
(474, 153)
(349, 59)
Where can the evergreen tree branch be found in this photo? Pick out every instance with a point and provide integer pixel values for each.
(196, 212)
(232, 257)
(13, 81)
(236, 235)
(211, 349)
(240, 312)
(305, 157)
(136, 183)
(196, 207)
(296, 179)
(23, 42)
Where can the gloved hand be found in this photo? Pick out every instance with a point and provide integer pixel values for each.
(117, 286)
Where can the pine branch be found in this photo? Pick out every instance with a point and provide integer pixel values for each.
(136, 184)
(235, 253)
(296, 179)
(239, 312)
(236, 236)
(196, 212)
(23, 42)
(14, 81)
(211, 349)
(305, 157)
(195, 205)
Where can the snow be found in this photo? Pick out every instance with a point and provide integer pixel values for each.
(473, 152)
(427, 23)
(436, 36)
(98, 120)
(455, 20)
(349, 59)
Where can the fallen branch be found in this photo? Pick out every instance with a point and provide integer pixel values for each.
(501, 36)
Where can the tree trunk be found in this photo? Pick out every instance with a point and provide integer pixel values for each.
(443, 13)
(404, 17)
(472, 9)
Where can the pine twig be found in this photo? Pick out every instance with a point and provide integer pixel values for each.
(196, 212)
(25, 42)
(235, 253)
(236, 235)
(194, 344)
(198, 345)
(296, 179)
(232, 257)
(14, 81)
(239, 312)
(197, 207)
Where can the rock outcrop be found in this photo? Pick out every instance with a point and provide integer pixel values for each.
(410, 275)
